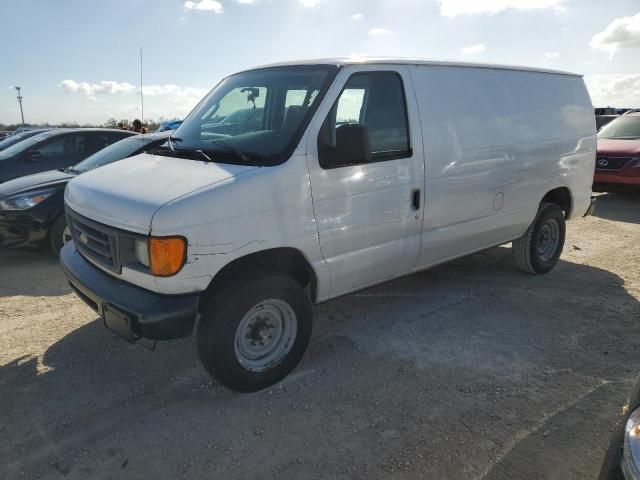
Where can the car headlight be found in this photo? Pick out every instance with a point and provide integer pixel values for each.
(163, 256)
(631, 450)
(142, 251)
(25, 201)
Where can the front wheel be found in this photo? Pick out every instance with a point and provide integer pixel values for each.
(59, 234)
(254, 331)
(539, 249)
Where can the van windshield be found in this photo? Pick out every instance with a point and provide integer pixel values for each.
(622, 128)
(255, 117)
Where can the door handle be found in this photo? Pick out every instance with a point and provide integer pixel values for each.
(415, 199)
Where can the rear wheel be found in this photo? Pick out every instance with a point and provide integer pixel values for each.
(59, 234)
(254, 331)
(539, 249)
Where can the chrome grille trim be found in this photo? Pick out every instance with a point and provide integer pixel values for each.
(95, 241)
(611, 163)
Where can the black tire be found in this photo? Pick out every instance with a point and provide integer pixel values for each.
(527, 249)
(56, 233)
(223, 314)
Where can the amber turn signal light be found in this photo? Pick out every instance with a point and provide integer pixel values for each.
(166, 255)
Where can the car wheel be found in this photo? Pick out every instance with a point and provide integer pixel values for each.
(59, 234)
(539, 249)
(254, 331)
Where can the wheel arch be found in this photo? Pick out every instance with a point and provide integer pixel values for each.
(288, 260)
(561, 196)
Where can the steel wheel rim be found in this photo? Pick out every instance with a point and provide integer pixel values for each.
(265, 335)
(66, 235)
(548, 239)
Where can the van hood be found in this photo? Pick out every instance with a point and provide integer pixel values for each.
(126, 194)
(610, 147)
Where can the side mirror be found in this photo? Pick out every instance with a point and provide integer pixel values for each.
(32, 156)
(352, 147)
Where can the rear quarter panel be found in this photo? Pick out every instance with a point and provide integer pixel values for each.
(496, 141)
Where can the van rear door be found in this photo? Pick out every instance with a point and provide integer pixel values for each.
(369, 212)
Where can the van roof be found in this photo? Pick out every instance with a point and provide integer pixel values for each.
(414, 61)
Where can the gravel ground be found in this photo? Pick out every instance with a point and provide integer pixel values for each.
(471, 370)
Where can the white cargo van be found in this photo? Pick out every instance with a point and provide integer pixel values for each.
(296, 183)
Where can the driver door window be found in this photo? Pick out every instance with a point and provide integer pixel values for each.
(376, 101)
(63, 150)
(51, 148)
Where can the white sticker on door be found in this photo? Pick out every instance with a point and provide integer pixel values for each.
(403, 172)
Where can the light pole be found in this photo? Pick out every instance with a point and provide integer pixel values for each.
(20, 103)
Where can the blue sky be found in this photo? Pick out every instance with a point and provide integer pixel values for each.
(78, 60)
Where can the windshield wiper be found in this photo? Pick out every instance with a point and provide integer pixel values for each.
(230, 148)
(172, 139)
(69, 170)
(182, 153)
(203, 155)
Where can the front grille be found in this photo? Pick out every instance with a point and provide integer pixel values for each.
(611, 163)
(95, 241)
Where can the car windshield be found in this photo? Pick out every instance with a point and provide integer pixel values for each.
(254, 117)
(622, 128)
(116, 151)
(24, 145)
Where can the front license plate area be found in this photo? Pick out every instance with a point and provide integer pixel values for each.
(119, 323)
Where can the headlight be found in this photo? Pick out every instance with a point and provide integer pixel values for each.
(631, 452)
(167, 255)
(24, 201)
(163, 256)
(142, 251)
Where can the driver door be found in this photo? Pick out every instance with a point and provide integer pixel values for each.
(369, 213)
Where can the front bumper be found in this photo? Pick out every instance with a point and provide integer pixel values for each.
(20, 229)
(592, 207)
(629, 175)
(129, 311)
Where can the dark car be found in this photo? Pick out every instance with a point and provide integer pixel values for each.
(622, 460)
(55, 149)
(18, 137)
(32, 207)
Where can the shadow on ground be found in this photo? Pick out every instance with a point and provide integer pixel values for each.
(462, 371)
(619, 207)
(31, 274)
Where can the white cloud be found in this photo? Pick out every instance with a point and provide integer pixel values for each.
(614, 90)
(310, 3)
(204, 5)
(357, 16)
(104, 87)
(453, 8)
(474, 49)
(378, 31)
(110, 88)
(551, 55)
(621, 33)
(173, 90)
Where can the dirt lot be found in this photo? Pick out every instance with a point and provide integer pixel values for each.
(469, 371)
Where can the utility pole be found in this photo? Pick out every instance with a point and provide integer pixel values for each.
(20, 103)
(141, 95)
